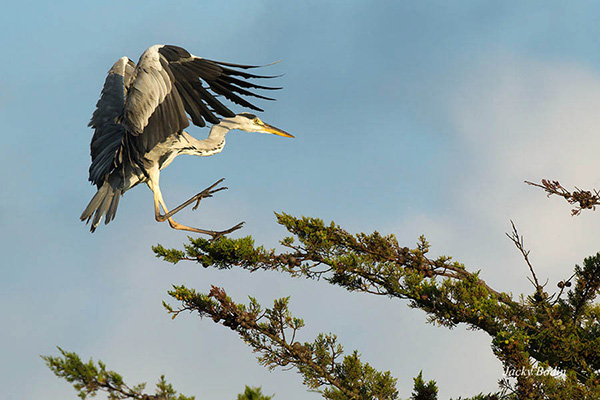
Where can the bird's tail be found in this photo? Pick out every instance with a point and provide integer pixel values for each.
(104, 202)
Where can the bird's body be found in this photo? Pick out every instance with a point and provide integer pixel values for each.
(140, 119)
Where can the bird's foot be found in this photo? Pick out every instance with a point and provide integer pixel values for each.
(217, 235)
(208, 192)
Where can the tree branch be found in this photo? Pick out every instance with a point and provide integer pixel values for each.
(519, 243)
(319, 362)
(583, 199)
(89, 378)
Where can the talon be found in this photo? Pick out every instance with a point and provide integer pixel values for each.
(217, 235)
(214, 184)
(207, 193)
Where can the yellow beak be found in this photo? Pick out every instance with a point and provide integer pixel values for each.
(276, 131)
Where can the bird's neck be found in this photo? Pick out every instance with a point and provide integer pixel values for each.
(212, 145)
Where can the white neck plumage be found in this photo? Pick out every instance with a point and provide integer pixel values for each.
(165, 152)
(212, 145)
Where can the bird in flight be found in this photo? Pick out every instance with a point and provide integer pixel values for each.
(140, 119)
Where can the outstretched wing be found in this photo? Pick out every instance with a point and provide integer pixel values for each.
(169, 84)
(108, 134)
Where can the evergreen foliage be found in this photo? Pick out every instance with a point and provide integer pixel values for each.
(272, 334)
(548, 342)
(253, 393)
(90, 378)
(422, 390)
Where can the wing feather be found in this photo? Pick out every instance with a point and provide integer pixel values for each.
(230, 95)
(213, 101)
(244, 74)
(197, 110)
(229, 86)
(149, 89)
(108, 134)
(246, 84)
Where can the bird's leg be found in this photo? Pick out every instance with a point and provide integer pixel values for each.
(159, 202)
(208, 192)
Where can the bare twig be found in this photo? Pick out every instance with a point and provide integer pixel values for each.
(519, 242)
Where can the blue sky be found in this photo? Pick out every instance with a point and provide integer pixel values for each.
(410, 117)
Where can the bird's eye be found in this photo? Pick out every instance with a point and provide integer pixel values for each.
(257, 121)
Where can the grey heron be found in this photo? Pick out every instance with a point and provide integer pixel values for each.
(140, 119)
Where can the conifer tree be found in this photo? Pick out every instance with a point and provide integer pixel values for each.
(547, 340)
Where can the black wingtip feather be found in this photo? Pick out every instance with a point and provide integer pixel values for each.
(229, 71)
(243, 66)
(246, 84)
(232, 88)
(232, 96)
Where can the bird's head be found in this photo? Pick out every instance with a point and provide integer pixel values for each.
(251, 123)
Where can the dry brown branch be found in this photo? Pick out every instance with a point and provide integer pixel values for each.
(520, 244)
